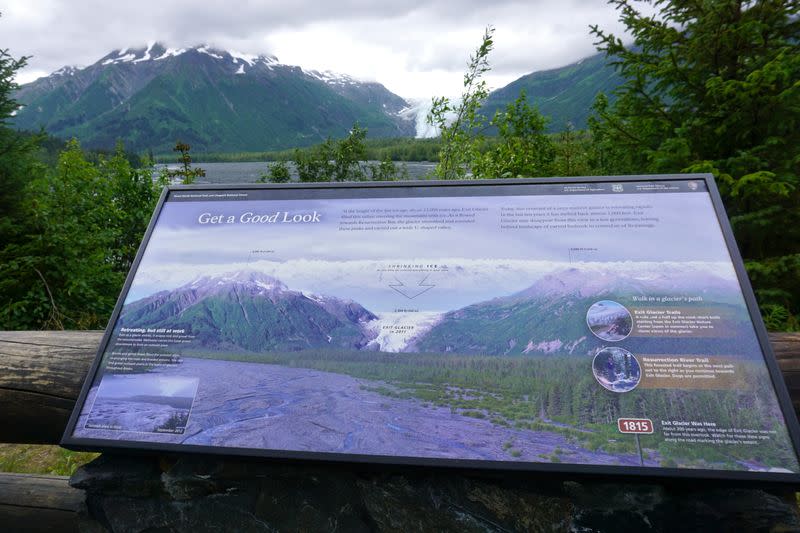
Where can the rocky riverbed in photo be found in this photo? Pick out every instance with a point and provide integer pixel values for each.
(274, 407)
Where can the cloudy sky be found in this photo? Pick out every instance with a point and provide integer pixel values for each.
(416, 48)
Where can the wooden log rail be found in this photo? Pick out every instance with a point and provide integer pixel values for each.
(41, 373)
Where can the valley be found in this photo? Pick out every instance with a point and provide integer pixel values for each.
(225, 102)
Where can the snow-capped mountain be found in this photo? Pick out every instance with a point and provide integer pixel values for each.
(215, 100)
(716, 281)
(157, 52)
(248, 310)
(550, 317)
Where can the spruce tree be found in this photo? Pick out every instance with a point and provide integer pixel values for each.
(16, 152)
(715, 86)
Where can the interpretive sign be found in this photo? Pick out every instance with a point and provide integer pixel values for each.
(514, 324)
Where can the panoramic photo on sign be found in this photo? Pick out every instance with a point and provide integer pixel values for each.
(572, 322)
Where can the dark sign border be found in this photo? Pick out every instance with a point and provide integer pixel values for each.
(402, 189)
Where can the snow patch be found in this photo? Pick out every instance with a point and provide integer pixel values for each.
(267, 286)
(127, 58)
(570, 347)
(208, 51)
(331, 78)
(249, 278)
(171, 52)
(544, 346)
(146, 56)
(241, 69)
(66, 71)
(247, 58)
(313, 297)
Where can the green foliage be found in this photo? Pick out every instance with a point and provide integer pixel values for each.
(41, 459)
(63, 266)
(134, 194)
(347, 155)
(572, 153)
(386, 170)
(403, 149)
(278, 173)
(713, 86)
(523, 149)
(186, 172)
(68, 230)
(17, 151)
(80, 223)
(332, 160)
(341, 161)
(8, 69)
(376, 149)
(461, 136)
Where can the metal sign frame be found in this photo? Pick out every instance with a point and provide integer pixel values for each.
(410, 189)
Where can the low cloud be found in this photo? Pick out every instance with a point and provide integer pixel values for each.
(416, 49)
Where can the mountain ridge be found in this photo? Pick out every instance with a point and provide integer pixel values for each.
(565, 94)
(251, 311)
(228, 101)
(549, 317)
(212, 99)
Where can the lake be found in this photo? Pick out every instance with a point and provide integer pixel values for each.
(250, 172)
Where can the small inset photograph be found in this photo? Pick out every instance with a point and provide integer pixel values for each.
(616, 369)
(609, 320)
(148, 403)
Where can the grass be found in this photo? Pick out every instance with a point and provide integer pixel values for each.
(41, 459)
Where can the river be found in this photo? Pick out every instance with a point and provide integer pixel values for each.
(250, 172)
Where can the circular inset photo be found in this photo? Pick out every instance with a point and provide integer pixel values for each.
(616, 369)
(609, 320)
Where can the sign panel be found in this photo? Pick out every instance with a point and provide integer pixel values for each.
(508, 324)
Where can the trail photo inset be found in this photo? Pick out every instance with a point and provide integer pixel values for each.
(616, 369)
(609, 320)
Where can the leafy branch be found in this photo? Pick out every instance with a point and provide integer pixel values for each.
(460, 137)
